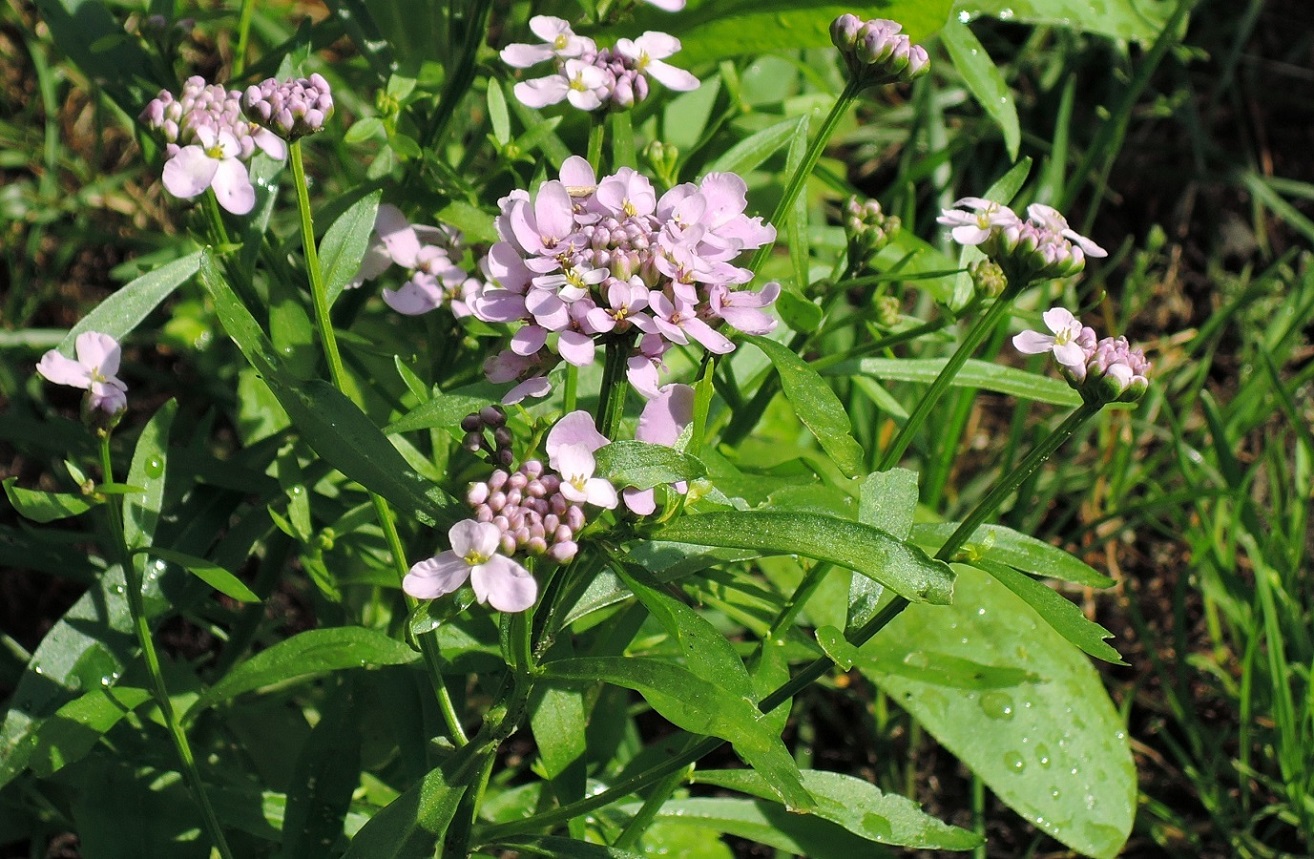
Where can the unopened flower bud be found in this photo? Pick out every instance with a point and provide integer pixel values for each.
(988, 278)
(887, 311)
(563, 552)
(492, 416)
(291, 109)
(876, 52)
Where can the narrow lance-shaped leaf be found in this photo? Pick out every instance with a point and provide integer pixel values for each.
(859, 807)
(344, 244)
(119, 314)
(899, 566)
(315, 651)
(984, 80)
(816, 405)
(42, 506)
(207, 571)
(975, 373)
(697, 706)
(1003, 544)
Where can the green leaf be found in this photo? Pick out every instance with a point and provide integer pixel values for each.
(703, 650)
(409, 827)
(557, 847)
(1054, 750)
(998, 543)
(697, 706)
(331, 424)
(119, 314)
(306, 654)
(975, 374)
(327, 774)
(1057, 611)
(1133, 20)
(859, 807)
(836, 646)
(210, 573)
(719, 29)
(365, 128)
(887, 500)
(643, 465)
(75, 728)
(984, 80)
(45, 506)
(475, 224)
(766, 823)
(816, 405)
(444, 411)
(141, 510)
(899, 566)
(497, 114)
(750, 152)
(344, 245)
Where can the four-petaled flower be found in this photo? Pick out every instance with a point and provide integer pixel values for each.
(93, 371)
(212, 162)
(1072, 343)
(497, 580)
(973, 228)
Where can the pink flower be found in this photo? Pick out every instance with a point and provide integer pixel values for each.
(575, 463)
(93, 371)
(212, 162)
(973, 228)
(663, 420)
(559, 41)
(647, 53)
(1072, 343)
(575, 428)
(497, 580)
(1051, 219)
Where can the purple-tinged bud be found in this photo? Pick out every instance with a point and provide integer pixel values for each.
(536, 545)
(508, 544)
(502, 437)
(563, 552)
(563, 534)
(518, 480)
(497, 480)
(497, 501)
(471, 423)
(502, 523)
(844, 31)
(492, 416)
(551, 483)
(550, 522)
(575, 518)
(533, 468)
(534, 489)
(559, 504)
(514, 496)
(476, 494)
(483, 513)
(505, 457)
(291, 109)
(473, 442)
(537, 530)
(876, 52)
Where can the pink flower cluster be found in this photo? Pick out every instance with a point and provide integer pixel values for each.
(433, 280)
(208, 142)
(586, 260)
(876, 51)
(589, 77)
(1107, 370)
(533, 510)
(1042, 246)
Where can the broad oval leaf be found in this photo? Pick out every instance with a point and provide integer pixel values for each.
(119, 314)
(974, 374)
(643, 465)
(315, 651)
(1053, 749)
(1003, 544)
(1134, 20)
(697, 706)
(900, 566)
(858, 806)
(816, 405)
(719, 29)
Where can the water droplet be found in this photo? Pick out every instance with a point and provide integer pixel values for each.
(1054, 793)
(154, 467)
(1072, 771)
(37, 669)
(917, 659)
(1042, 755)
(108, 679)
(1120, 735)
(997, 705)
(1014, 762)
(1090, 802)
(980, 612)
(297, 490)
(964, 16)
(1005, 14)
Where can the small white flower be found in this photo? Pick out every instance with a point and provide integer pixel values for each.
(1072, 343)
(575, 463)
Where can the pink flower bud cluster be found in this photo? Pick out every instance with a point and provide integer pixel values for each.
(586, 261)
(210, 106)
(433, 279)
(529, 510)
(1103, 371)
(1043, 246)
(867, 228)
(291, 108)
(876, 52)
(208, 142)
(589, 77)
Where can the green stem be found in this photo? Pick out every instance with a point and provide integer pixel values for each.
(812, 580)
(324, 323)
(243, 35)
(615, 387)
(141, 625)
(805, 168)
(622, 141)
(594, 151)
(570, 390)
(978, 332)
(640, 822)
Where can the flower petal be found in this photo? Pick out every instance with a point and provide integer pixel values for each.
(504, 584)
(189, 172)
(468, 536)
(232, 186)
(62, 370)
(436, 576)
